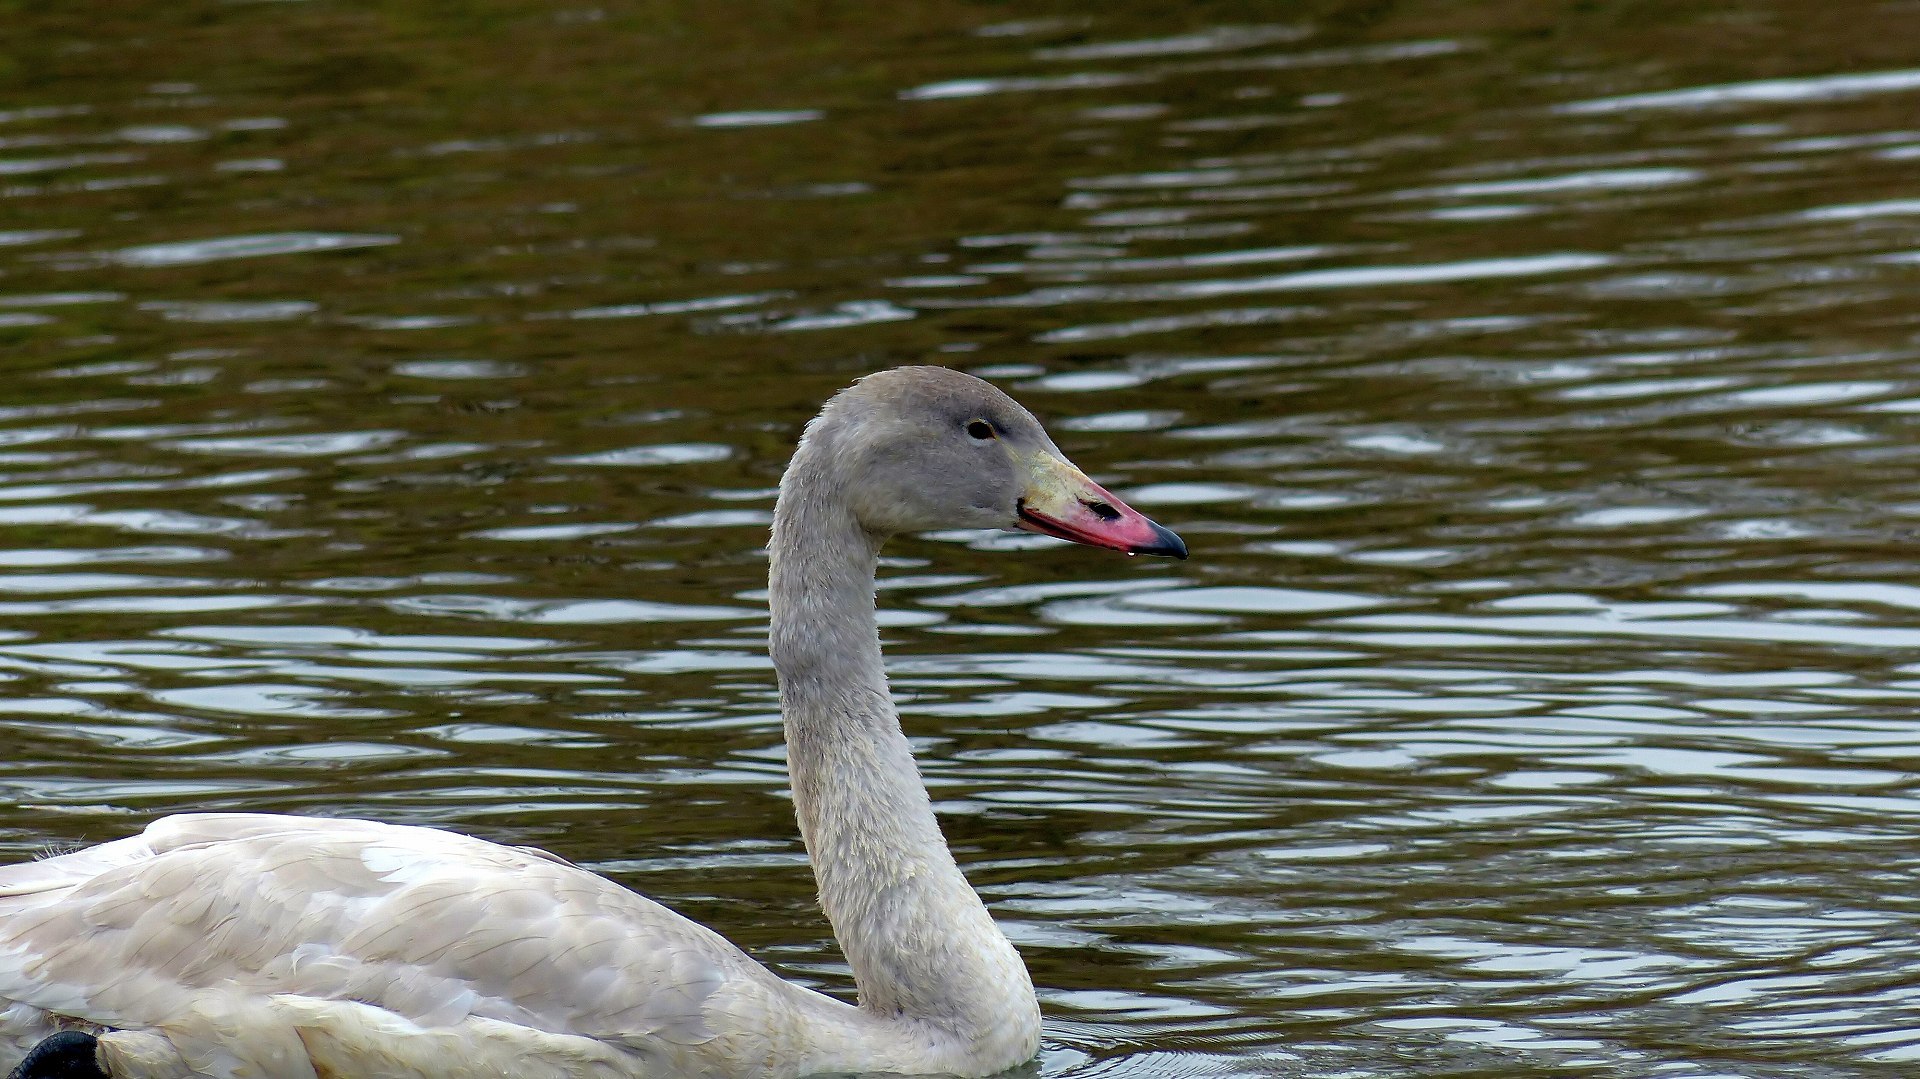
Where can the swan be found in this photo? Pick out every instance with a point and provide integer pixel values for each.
(253, 946)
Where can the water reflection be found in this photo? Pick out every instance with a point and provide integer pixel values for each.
(1539, 695)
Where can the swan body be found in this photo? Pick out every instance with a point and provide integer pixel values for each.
(253, 946)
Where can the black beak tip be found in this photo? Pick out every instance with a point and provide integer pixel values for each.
(1165, 542)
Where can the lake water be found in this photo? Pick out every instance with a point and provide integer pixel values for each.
(395, 395)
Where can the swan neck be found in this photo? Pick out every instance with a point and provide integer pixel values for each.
(921, 944)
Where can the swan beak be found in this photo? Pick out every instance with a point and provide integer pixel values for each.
(1061, 501)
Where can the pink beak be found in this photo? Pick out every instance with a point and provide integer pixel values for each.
(1063, 502)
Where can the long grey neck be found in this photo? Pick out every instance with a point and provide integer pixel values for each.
(920, 942)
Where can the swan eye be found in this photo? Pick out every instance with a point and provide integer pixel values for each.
(980, 429)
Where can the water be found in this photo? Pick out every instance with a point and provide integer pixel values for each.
(395, 398)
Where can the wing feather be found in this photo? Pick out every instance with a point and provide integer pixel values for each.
(434, 927)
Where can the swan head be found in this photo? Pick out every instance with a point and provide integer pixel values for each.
(924, 448)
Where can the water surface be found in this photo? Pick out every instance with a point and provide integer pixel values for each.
(396, 397)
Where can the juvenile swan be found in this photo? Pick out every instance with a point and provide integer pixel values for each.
(249, 946)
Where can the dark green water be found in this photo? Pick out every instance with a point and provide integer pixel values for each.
(395, 393)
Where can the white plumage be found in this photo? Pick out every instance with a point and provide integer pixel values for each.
(252, 942)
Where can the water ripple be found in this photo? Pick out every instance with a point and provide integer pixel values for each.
(193, 252)
(1539, 695)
